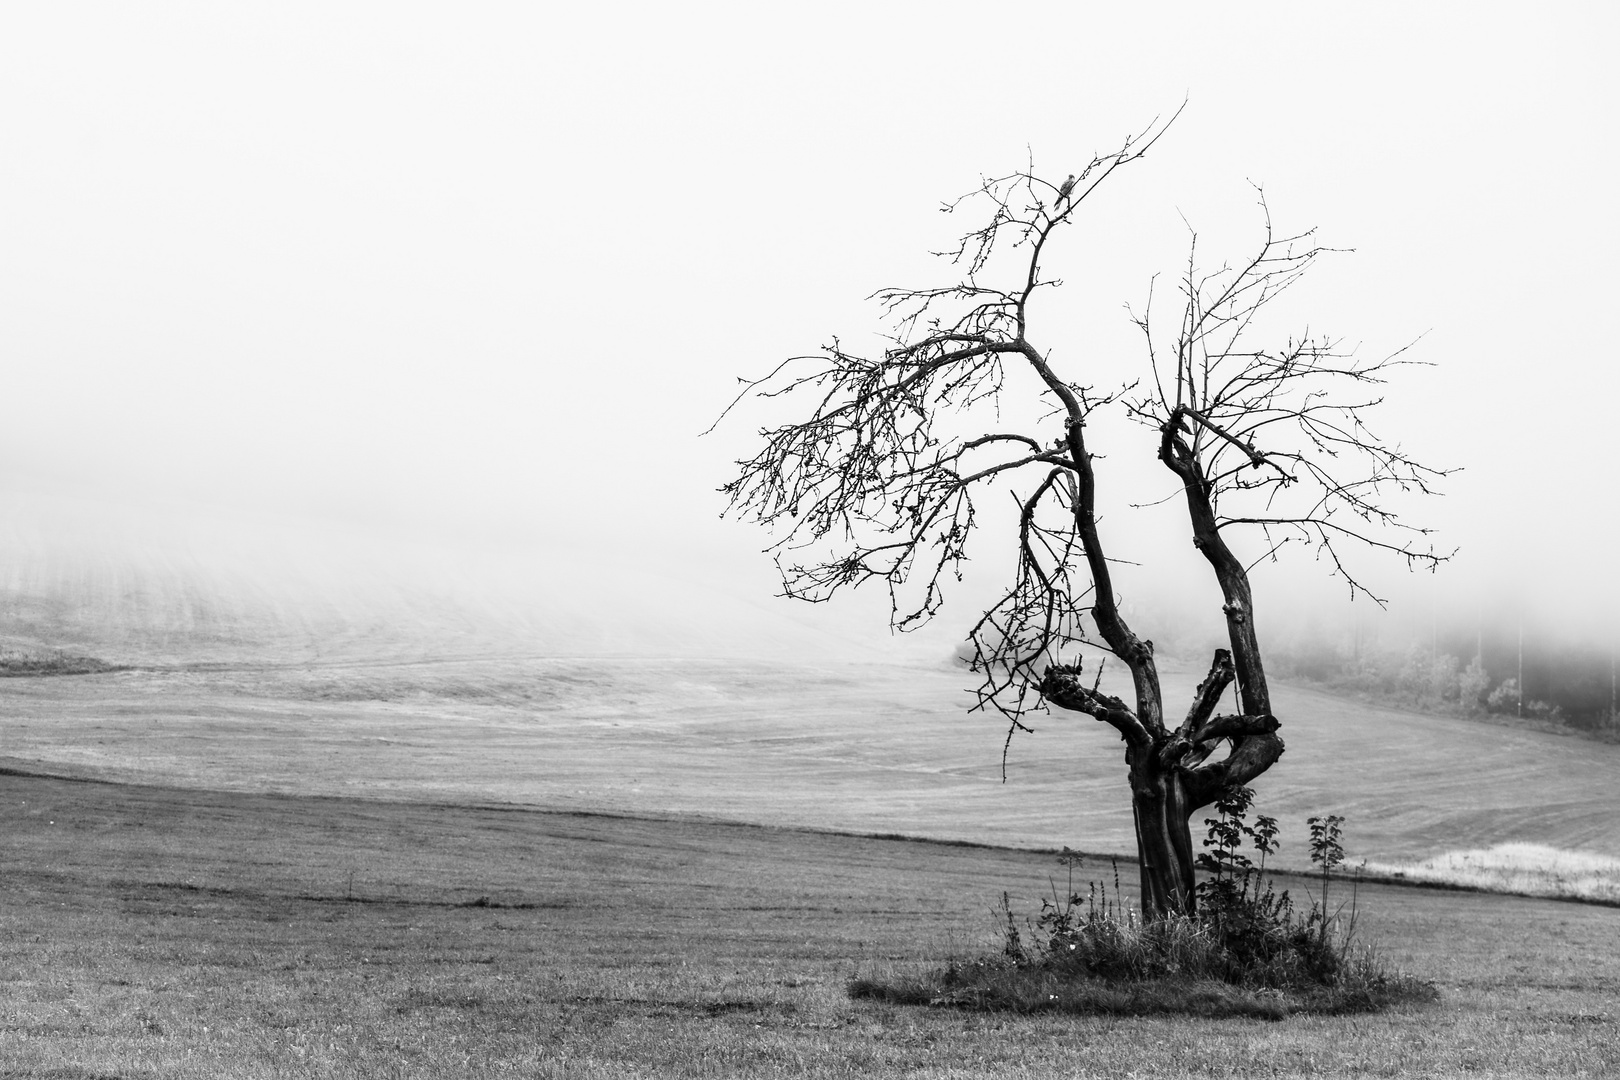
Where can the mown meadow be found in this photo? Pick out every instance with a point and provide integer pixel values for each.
(508, 866)
(162, 932)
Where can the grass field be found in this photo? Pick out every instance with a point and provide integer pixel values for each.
(511, 866)
(152, 931)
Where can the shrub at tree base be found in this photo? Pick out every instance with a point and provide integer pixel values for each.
(1246, 952)
(1055, 984)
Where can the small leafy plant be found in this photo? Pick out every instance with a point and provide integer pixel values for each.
(1326, 849)
(1253, 924)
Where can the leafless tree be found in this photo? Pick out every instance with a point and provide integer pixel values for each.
(876, 477)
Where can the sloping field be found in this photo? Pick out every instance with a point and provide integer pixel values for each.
(845, 746)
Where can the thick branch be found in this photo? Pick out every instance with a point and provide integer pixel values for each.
(1229, 572)
(1063, 687)
(1188, 749)
(1231, 727)
(1209, 692)
(1136, 653)
(1252, 754)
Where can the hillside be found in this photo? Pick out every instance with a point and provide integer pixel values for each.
(262, 657)
(837, 745)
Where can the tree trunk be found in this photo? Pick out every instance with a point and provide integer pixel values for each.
(1171, 778)
(1163, 837)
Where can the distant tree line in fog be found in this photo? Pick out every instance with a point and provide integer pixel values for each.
(1469, 673)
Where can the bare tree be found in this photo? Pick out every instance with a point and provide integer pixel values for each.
(876, 480)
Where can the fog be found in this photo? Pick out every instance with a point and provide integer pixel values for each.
(360, 304)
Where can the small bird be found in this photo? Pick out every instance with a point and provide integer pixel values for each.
(1068, 186)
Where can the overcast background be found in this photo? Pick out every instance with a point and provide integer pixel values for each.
(337, 285)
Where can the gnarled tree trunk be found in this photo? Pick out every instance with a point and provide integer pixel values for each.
(1171, 778)
(1163, 833)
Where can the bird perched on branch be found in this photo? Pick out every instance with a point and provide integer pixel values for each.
(1063, 191)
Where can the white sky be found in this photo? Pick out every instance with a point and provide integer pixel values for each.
(481, 273)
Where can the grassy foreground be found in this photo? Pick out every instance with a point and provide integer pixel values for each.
(148, 931)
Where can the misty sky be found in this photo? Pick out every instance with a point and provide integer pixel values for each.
(480, 274)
